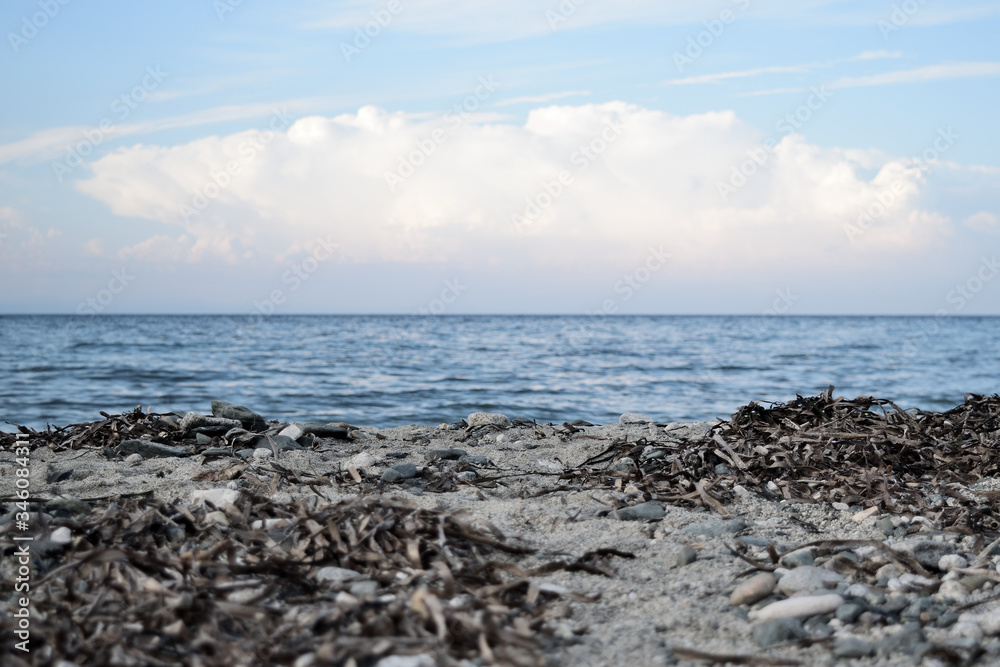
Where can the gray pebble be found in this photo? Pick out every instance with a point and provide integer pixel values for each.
(651, 511)
(284, 443)
(150, 450)
(474, 459)
(216, 451)
(907, 640)
(927, 552)
(477, 419)
(686, 556)
(849, 612)
(852, 647)
(769, 633)
(716, 528)
(202, 439)
(398, 472)
(250, 419)
(797, 558)
(885, 525)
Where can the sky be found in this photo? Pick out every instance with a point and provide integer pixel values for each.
(523, 156)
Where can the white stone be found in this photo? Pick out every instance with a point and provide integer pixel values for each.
(989, 623)
(421, 660)
(222, 498)
(950, 562)
(61, 535)
(133, 459)
(864, 514)
(966, 629)
(753, 589)
(293, 431)
(841, 507)
(808, 578)
(337, 575)
(634, 418)
(487, 419)
(262, 453)
(267, 524)
(798, 607)
(952, 590)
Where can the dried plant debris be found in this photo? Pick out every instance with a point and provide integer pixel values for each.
(150, 583)
(865, 452)
(154, 435)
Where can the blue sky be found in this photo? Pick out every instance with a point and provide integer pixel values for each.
(519, 156)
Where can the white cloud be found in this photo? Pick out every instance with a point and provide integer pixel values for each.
(655, 184)
(984, 221)
(928, 73)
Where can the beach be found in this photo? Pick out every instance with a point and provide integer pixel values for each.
(542, 544)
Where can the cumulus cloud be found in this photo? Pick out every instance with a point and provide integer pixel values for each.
(573, 185)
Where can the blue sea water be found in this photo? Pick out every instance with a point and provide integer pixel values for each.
(390, 370)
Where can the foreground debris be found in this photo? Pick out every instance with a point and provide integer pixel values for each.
(842, 530)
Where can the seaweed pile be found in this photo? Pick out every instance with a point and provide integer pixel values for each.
(865, 452)
(145, 582)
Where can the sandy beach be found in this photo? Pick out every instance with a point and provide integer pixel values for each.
(588, 564)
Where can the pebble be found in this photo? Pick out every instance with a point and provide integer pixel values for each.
(193, 420)
(202, 439)
(989, 623)
(474, 459)
(808, 578)
(247, 417)
(477, 419)
(908, 640)
(950, 562)
(61, 535)
(797, 558)
(445, 454)
(753, 589)
(799, 607)
(151, 450)
(422, 660)
(634, 418)
(238, 434)
(953, 591)
(776, 631)
(223, 499)
(284, 443)
(293, 431)
(716, 528)
(651, 511)
(852, 647)
(849, 612)
(686, 556)
(399, 472)
(974, 581)
(336, 575)
(133, 459)
(262, 453)
(926, 552)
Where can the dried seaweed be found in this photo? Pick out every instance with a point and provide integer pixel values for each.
(147, 582)
(863, 452)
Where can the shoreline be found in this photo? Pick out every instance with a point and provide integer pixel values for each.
(637, 534)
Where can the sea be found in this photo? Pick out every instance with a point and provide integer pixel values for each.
(391, 370)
